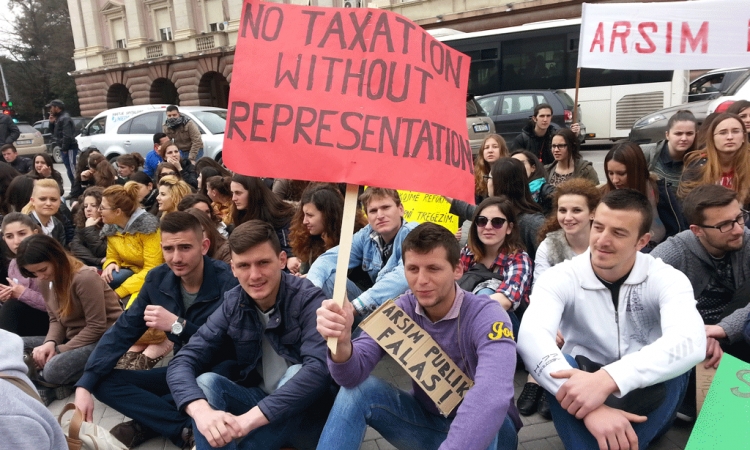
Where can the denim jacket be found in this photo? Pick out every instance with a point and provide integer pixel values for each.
(389, 279)
(291, 332)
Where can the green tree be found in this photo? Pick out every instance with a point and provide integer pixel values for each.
(38, 56)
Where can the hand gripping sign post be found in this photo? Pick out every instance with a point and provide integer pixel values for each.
(359, 96)
(701, 34)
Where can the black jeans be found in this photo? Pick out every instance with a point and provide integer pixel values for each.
(23, 320)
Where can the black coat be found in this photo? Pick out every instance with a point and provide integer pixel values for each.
(89, 246)
(541, 146)
(9, 131)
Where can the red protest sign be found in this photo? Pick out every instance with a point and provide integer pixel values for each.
(347, 95)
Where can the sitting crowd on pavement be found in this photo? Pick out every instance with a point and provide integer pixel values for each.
(608, 296)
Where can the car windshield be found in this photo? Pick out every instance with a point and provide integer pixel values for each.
(738, 83)
(214, 120)
(474, 109)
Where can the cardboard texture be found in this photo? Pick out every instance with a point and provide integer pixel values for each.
(703, 379)
(422, 358)
(724, 422)
(355, 95)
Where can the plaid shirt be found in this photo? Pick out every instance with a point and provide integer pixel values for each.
(517, 272)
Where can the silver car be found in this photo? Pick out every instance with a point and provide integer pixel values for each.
(136, 134)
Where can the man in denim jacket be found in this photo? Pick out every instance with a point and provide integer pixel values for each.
(282, 392)
(376, 249)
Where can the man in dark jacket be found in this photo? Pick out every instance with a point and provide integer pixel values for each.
(536, 137)
(10, 155)
(177, 298)
(9, 131)
(283, 393)
(64, 135)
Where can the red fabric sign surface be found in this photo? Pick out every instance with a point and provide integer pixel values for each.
(348, 95)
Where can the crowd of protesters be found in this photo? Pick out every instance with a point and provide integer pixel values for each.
(610, 294)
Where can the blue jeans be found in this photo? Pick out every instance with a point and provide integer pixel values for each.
(119, 277)
(186, 154)
(397, 416)
(69, 159)
(144, 396)
(513, 317)
(300, 431)
(574, 434)
(324, 277)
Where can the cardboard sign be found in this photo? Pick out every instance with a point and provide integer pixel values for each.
(419, 354)
(724, 421)
(419, 207)
(350, 95)
(665, 36)
(703, 379)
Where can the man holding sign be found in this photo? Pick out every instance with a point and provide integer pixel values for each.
(474, 332)
(631, 333)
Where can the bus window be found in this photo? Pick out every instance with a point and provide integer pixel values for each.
(537, 63)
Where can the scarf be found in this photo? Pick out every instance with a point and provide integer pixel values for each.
(175, 122)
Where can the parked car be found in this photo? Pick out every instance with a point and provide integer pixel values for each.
(479, 124)
(653, 127)
(114, 136)
(30, 141)
(43, 127)
(511, 110)
(740, 90)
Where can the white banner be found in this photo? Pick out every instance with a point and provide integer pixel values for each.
(703, 34)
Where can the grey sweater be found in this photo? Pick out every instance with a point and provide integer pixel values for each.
(685, 253)
(25, 424)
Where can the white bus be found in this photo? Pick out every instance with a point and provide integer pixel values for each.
(544, 55)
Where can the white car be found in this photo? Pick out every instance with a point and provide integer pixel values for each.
(739, 90)
(118, 131)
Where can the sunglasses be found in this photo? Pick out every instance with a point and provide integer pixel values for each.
(496, 222)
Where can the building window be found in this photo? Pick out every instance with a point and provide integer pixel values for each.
(121, 43)
(165, 34)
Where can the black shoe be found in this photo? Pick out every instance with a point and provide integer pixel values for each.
(529, 398)
(687, 411)
(543, 408)
(132, 434)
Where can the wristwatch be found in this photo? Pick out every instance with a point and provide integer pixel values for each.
(178, 326)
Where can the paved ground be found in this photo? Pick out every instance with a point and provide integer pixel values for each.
(537, 433)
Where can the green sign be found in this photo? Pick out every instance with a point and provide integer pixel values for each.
(724, 421)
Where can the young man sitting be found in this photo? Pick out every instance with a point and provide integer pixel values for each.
(177, 298)
(621, 309)
(376, 250)
(282, 391)
(468, 328)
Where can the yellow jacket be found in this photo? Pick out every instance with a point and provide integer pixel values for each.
(137, 247)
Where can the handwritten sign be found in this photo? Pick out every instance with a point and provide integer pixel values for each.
(419, 207)
(419, 354)
(360, 96)
(703, 379)
(724, 421)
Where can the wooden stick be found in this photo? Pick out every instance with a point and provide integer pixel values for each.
(575, 102)
(345, 248)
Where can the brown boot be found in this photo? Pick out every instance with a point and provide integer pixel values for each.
(132, 434)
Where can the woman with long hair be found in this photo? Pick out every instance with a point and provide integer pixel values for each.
(203, 176)
(203, 203)
(44, 168)
(164, 169)
(23, 310)
(626, 168)
(43, 208)
(19, 193)
(80, 305)
(171, 154)
(665, 158)
(219, 248)
(171, 192)
(7, 175)
(316, 226)
(207, 161)
(495, 243)
(127, 165)
(252, 199)
(76, 190)
(219, 190)
(493, 148)
(568, 162)
(100, 172)
(725, 160)
(541, 191)
(289, 190)
(146, 192)
(742, 109)
(133, 240)
(89, 245)
(565, 234)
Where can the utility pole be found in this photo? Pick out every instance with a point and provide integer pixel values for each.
(5, 85)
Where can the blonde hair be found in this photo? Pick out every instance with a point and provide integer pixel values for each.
(40, 184)
(178, 189)
(124, 198)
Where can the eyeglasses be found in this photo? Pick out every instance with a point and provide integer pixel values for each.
(496, 222)
(560, 146)
(727, 226)
(725, 133)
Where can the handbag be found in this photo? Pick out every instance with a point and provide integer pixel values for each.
(85, 435)
(475, 275)
(640, 402)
